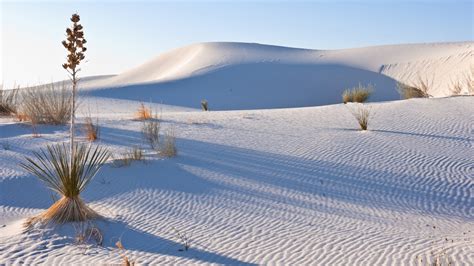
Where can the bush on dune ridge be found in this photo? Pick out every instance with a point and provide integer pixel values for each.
(358, 94)
(417, 90)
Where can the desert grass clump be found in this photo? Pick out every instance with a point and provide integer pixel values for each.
(470, 82)
(362, 114)
(205, 105)
(168, 148)
(92, 129)
(151, 132)
(67, 174)
(358, 94)
(418, 90)
(144, 113)
(464, 83)
(45, 104)
(8, 102)
(86, 233)
(408, 92)
(126, 159)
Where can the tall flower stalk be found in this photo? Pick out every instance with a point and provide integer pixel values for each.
(74, 45)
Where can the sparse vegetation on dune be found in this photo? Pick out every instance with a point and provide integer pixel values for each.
(358, 94)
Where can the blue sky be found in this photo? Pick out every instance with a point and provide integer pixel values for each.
(124, 34)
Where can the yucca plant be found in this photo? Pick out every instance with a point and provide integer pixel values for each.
(67, 174)
(68, 170)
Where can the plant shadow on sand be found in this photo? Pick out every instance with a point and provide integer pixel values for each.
(137, 240)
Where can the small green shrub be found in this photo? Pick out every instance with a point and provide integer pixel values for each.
(204, 105)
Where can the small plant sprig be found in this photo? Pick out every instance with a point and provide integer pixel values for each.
(183, 237)
(362, 114)
(125, 260)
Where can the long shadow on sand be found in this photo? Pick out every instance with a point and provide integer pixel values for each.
(136, 240)
(351, 184)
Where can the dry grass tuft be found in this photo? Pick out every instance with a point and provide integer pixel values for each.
(144, 113)
(92, 130)
(125, 260)
(418, 90)
(126, 159)
(456, 88)
(168, 148)
(358, 94)
(45, 104)
(86, 233)
(151, 132)
(362, 114)
(470, 82)
(466, 81)
(52, 166)
(8, 102)
(66, 209)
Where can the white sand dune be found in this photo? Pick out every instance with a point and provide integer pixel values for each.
(241, 75)
(293, 186)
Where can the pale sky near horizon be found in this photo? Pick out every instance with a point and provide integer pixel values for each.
(124, 34)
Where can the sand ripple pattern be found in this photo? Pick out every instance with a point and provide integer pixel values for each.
(295, 186)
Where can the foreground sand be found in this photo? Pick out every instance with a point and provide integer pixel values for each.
(292, 186)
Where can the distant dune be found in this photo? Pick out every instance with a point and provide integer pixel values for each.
(244, 75)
